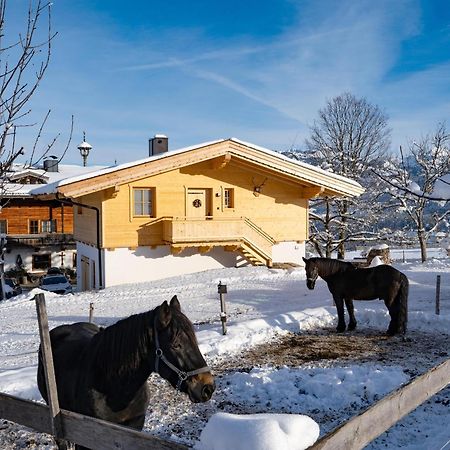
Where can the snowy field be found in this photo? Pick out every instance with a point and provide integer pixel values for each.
(263, 306)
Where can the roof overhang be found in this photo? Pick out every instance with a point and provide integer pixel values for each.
(312, 181)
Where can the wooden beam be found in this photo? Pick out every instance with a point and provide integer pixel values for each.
(115, 190)
(357, 432)
(220, 162)
(312, 192)
(176, 250)
(232, 248)
(83, 430)
(205, 248)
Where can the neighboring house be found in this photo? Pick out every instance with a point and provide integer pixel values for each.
(219, 204)
(39, 232)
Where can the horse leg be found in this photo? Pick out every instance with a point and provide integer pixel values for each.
(351, 314)
(339, 302)
(62, 444)
(393, 312)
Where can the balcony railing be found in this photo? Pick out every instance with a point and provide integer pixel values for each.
(41, 239)
(206, 231)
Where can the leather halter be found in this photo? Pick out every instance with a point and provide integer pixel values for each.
(182, 376)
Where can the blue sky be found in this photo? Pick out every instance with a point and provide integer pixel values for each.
(255, 70)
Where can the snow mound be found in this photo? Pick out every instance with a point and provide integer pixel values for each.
(377, 261)
(258, 432)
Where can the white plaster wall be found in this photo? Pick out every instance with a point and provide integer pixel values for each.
(145, 264)
(285, 252)
(91, 253)
(27, 252)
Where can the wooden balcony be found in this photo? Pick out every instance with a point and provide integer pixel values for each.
(41, 239)
(234, 234)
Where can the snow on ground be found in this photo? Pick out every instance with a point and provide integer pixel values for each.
(262, 305)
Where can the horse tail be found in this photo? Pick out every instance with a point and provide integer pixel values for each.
(402, 303)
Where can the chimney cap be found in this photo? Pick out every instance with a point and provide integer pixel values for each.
(163, 136)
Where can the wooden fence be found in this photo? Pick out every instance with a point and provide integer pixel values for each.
(358, 431)
(90, 432)
(83, 430)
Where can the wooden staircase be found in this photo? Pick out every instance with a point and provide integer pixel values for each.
(253, 257)
(256, 245)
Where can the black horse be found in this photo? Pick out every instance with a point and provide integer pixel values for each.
(102, 372)
(348, 283)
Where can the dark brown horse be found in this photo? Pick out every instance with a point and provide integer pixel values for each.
(102, 372)
(347, 283)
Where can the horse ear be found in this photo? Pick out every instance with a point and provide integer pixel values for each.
(174, 303)
(304, 259)
(164, 315)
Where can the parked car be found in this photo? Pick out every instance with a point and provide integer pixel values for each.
(55, 271)
(12, 288)
(58, 284)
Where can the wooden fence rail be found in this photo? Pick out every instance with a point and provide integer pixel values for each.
(358, 431)
(84, 430)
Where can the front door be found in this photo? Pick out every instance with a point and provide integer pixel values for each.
(197, 200)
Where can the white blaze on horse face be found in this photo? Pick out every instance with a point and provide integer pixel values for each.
(200, 387)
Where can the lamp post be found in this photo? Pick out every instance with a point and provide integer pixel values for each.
(84, 148)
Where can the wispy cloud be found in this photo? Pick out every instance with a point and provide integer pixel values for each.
(196, 87)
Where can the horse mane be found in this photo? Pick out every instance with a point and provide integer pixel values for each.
(122, 347)
(331, 266)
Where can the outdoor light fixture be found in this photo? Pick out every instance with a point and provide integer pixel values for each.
(84, 148)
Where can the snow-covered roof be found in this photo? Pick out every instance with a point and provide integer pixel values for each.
(37, 173)
(312, 170)
(52, 187)
(11, 189)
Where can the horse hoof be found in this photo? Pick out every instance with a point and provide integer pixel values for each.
(351, 326)
(340, 329)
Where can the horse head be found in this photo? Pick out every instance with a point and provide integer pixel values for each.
(178, 358)
(312, 272)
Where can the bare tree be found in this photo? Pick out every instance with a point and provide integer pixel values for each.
(24, 59)
(412, 190)
(350, 136)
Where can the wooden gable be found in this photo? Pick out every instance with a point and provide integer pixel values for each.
(312, 180)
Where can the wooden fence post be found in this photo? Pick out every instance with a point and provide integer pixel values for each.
(438, 295)
(47, 360)
(91, 312)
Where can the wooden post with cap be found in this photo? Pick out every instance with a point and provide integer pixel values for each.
(91, 312)
(222, 289)
(438, 295)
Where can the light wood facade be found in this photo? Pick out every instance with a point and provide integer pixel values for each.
(227, 194)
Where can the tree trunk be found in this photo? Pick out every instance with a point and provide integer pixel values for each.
(423, 245)
(342, 236)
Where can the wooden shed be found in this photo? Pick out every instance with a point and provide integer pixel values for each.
(218, 204)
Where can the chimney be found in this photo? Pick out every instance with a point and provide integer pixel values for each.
(51, 164)
(158, 144)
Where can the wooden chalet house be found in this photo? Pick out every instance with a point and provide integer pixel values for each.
(39, 232)
(219, 204)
